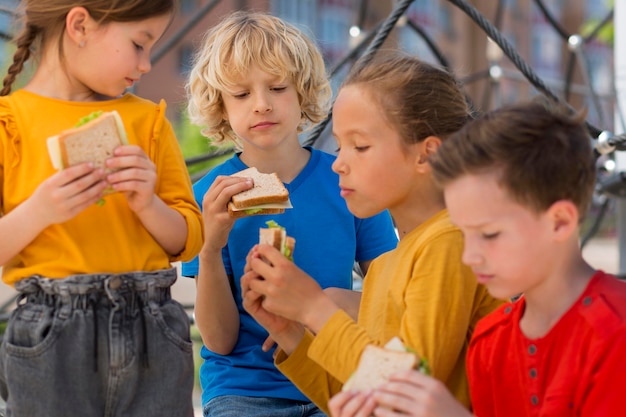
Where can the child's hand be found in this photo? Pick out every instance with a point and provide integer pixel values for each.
(287, 290)
(412, 393)
(67, 193)
(136, 177)
(217, 221)
(351, 404)
(283, 331)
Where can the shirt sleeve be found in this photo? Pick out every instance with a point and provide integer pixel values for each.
(313, 380)
(375, 235)
(604, 395)
(174, 184)
(439, 301)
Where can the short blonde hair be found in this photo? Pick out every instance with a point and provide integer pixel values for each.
(229, 50)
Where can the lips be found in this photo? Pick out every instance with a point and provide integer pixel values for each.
(263, 125)
(345, 192)
(483, 278)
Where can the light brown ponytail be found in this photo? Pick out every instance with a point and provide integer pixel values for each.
(23, 41)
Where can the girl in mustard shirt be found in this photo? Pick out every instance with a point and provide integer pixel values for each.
(95, 331)
(389, 118)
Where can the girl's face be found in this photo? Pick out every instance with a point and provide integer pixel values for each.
(376, 170)
(114, 56)
(263, 109)
(507, 245)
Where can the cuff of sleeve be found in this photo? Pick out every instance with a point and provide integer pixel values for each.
(195, 237)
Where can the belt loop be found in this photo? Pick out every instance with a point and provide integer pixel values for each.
(151, 293)
(65, 300)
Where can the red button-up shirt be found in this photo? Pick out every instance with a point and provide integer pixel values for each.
(577, 369)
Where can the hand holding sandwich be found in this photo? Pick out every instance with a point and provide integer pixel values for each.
(408, 393)
(134, 174)
(65, 194)
(287, 291)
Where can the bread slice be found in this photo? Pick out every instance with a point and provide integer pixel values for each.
(376, 366)
(267, 196)
(92, 142)
(277, 237)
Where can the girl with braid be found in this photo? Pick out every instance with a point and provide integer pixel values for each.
(95, 332)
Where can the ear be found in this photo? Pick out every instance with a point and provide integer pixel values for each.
(427, 149)
(564, 219)
(78, 24)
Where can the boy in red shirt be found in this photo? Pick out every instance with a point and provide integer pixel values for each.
(517, 182)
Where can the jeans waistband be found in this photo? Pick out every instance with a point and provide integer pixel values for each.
(84, 284)
(131, 290)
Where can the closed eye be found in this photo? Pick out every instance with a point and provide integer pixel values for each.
(137, 46)
(490, 236)
(361, 148)
(278, 89)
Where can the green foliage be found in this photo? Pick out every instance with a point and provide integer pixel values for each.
(606, 34)
(194, 144)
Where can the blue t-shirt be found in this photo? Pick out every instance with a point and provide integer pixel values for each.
(329, 239)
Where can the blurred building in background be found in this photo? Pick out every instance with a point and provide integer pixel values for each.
(338, 25)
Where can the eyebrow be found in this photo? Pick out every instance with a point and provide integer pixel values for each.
(149, 35)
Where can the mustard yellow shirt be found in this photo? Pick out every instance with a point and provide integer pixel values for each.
(107, 238)
(420, 292)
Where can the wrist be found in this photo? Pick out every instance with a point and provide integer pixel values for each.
(289, 339)
(209, 254)
(322, 309)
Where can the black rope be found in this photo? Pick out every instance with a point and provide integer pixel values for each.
(178, 36)
(512, 54)
(607, 19)
(552, 20)
(596, 223)
(430, 43)
(365, 59)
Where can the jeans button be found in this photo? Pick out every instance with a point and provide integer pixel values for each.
(115, 283)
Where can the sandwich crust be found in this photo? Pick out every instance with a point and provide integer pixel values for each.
(268, 188)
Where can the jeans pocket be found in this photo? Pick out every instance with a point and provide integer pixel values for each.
(173, 321)
(31, 329)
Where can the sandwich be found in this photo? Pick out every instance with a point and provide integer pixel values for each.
(92, 139)
(276, 235)
(267, 196)
(377, 364)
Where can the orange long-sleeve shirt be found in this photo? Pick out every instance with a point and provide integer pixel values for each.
(420, 292)
(107, 238)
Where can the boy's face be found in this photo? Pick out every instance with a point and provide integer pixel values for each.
(375, 171)
(507, 245)
(263, 109)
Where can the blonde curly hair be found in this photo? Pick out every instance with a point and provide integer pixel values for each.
(229, 50)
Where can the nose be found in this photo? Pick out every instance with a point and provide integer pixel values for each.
(471, 254)
(144, 64)
(339, 165)
(262, 104)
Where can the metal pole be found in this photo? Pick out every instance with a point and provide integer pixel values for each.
(619, 51)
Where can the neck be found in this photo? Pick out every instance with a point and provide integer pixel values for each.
(416, 209)
(558, 291)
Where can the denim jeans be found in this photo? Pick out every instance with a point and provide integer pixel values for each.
(97, 345)
(238, 406)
